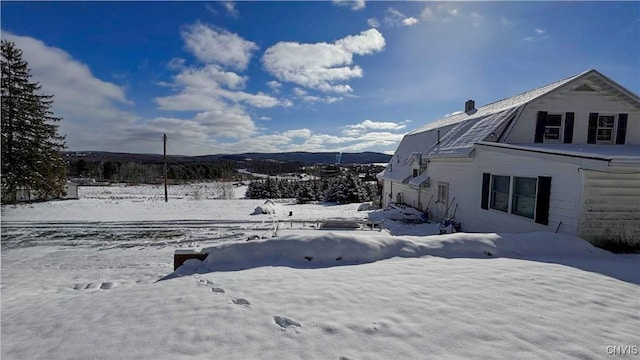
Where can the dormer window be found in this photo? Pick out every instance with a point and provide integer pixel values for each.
(416, 172)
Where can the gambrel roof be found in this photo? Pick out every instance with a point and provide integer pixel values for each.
(455, 135)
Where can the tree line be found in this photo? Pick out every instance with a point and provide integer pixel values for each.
(342, 189)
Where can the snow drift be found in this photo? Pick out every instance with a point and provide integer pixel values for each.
(325, 249)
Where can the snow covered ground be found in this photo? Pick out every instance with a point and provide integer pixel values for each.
(93, 279)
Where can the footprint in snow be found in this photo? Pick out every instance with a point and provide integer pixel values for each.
(243, 302)
(284, 322)
(211, 285)
(107, 285)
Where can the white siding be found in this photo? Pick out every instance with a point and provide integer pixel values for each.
(611, 210)
(580, 103)
(465, 184)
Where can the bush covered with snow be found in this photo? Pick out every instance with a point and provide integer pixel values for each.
(269, 208)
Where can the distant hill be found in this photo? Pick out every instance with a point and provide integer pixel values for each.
(304, 157)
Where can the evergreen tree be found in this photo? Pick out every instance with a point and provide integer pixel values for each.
(31, 145)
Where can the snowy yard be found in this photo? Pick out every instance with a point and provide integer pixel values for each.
(93, 279)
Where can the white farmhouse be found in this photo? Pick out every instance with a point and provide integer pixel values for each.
(564, 158)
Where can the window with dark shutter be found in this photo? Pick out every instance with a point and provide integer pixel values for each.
(568, 127)
(542, 200)
(486, 179)
(540, 126)
(622, 129)
(593, 128)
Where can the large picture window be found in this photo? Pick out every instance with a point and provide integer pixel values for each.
(523, 200)
(500, 192)
(522, 196)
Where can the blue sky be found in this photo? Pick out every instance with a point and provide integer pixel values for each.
(230, 77)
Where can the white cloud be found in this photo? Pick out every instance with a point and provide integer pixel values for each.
(218, 46)
(230, 6)
(265, 118)
(358, 129)
(353, 4)
(90, 107)
(299, 92)
(210, 88)
(393, 17)
(442, 12)
(373, 22)
(177, 64)
(539, 35)
(409, 21)
(299, 133)
(275, 85)
(321, 66)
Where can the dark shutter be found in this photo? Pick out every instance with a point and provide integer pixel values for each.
(540, 125)
(622, 129)
(486, 178)
(542, 200)
(568, 127)
(593, 128)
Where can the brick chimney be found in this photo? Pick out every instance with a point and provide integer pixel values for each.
(469, 106)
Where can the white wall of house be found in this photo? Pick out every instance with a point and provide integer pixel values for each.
(581, 103)
(465, 184)
(611, 206)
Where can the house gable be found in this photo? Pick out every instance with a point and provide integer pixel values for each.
(589, 109)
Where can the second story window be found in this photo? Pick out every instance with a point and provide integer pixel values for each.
(552, 128)
(604, 132)
(416, 172)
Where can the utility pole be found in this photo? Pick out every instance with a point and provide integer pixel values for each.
(166, 194)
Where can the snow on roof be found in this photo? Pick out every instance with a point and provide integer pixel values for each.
(460, 139)
(621, 153)
(498, 106)
(419, 180)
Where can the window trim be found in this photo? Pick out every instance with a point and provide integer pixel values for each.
(513, 195)
(510, 196)
(492, 192)
(612, 129)
(445, 185)
(559, 127)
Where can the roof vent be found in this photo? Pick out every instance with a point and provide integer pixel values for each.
(469, 106)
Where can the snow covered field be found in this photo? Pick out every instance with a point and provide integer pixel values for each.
(93, 279)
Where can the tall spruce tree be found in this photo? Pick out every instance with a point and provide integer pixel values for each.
(31, 145)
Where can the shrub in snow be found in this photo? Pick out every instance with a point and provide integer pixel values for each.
(366, 207)
(269, 208)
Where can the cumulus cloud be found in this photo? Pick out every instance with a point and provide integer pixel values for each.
(218, 46)
(90, 107)
(322, 66)
(353, 4)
